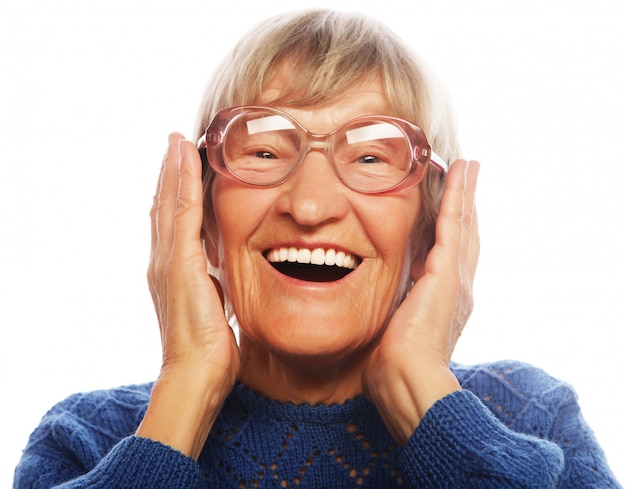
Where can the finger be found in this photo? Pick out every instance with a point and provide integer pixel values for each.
(155, 204)
(189, 208)
(474, 235)
(161, 217)
(187, 250)
(469, 242)
(460, 229)
(153, 209)
(457, 224)
(166, 200)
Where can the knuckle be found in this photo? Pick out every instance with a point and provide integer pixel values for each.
(150, 273)
(158, 271)
(162, 206)
(184, 204)
(155, 205)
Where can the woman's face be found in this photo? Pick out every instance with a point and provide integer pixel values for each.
(315, 311)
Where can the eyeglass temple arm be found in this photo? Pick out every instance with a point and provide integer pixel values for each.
(435, 160)
(203, 157)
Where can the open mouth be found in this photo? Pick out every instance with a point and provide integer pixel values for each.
(313, 265)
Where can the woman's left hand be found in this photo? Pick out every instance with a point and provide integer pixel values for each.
(409, 369)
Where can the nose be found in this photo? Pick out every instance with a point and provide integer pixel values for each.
(314, 194)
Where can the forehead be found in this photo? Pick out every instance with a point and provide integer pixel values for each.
(303, 80)
(365, 98)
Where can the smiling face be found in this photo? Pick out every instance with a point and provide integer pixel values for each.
(312, 268)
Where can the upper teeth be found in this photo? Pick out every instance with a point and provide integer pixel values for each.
(316, 256)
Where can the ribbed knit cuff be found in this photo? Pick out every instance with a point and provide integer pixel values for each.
(143, 463)
(460, 443)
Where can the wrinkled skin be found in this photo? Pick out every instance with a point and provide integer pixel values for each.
(401, 364)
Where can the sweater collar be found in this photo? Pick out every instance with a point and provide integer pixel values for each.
(253, 402)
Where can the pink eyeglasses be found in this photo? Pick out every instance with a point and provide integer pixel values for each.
(263, 146)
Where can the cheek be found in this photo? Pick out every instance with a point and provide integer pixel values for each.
(391, 225)
(238, 211)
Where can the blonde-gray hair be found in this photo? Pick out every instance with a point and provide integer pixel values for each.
(328, 52)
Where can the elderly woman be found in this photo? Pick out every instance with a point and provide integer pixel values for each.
(343, 250)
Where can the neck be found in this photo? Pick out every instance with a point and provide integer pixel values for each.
(300, 380)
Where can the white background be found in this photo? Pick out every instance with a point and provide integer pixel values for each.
(90, 91)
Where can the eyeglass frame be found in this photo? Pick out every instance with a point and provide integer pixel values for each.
(211, 142)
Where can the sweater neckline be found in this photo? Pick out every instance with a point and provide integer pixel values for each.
(260, 405)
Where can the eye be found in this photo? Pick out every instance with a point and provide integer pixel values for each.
(368, 159)
(266, 155)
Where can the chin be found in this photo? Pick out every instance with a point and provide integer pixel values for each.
(310, 342)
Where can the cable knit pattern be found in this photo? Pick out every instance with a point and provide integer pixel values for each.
(512, 426)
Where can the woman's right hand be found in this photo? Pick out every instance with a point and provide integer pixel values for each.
(200, 354)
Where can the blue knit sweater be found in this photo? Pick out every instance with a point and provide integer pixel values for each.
(511, 426)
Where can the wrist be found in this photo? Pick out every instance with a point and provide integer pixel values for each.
(405, 391)
(183, 406)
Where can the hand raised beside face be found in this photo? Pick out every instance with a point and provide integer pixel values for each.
(408, 371)
(200, 355)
